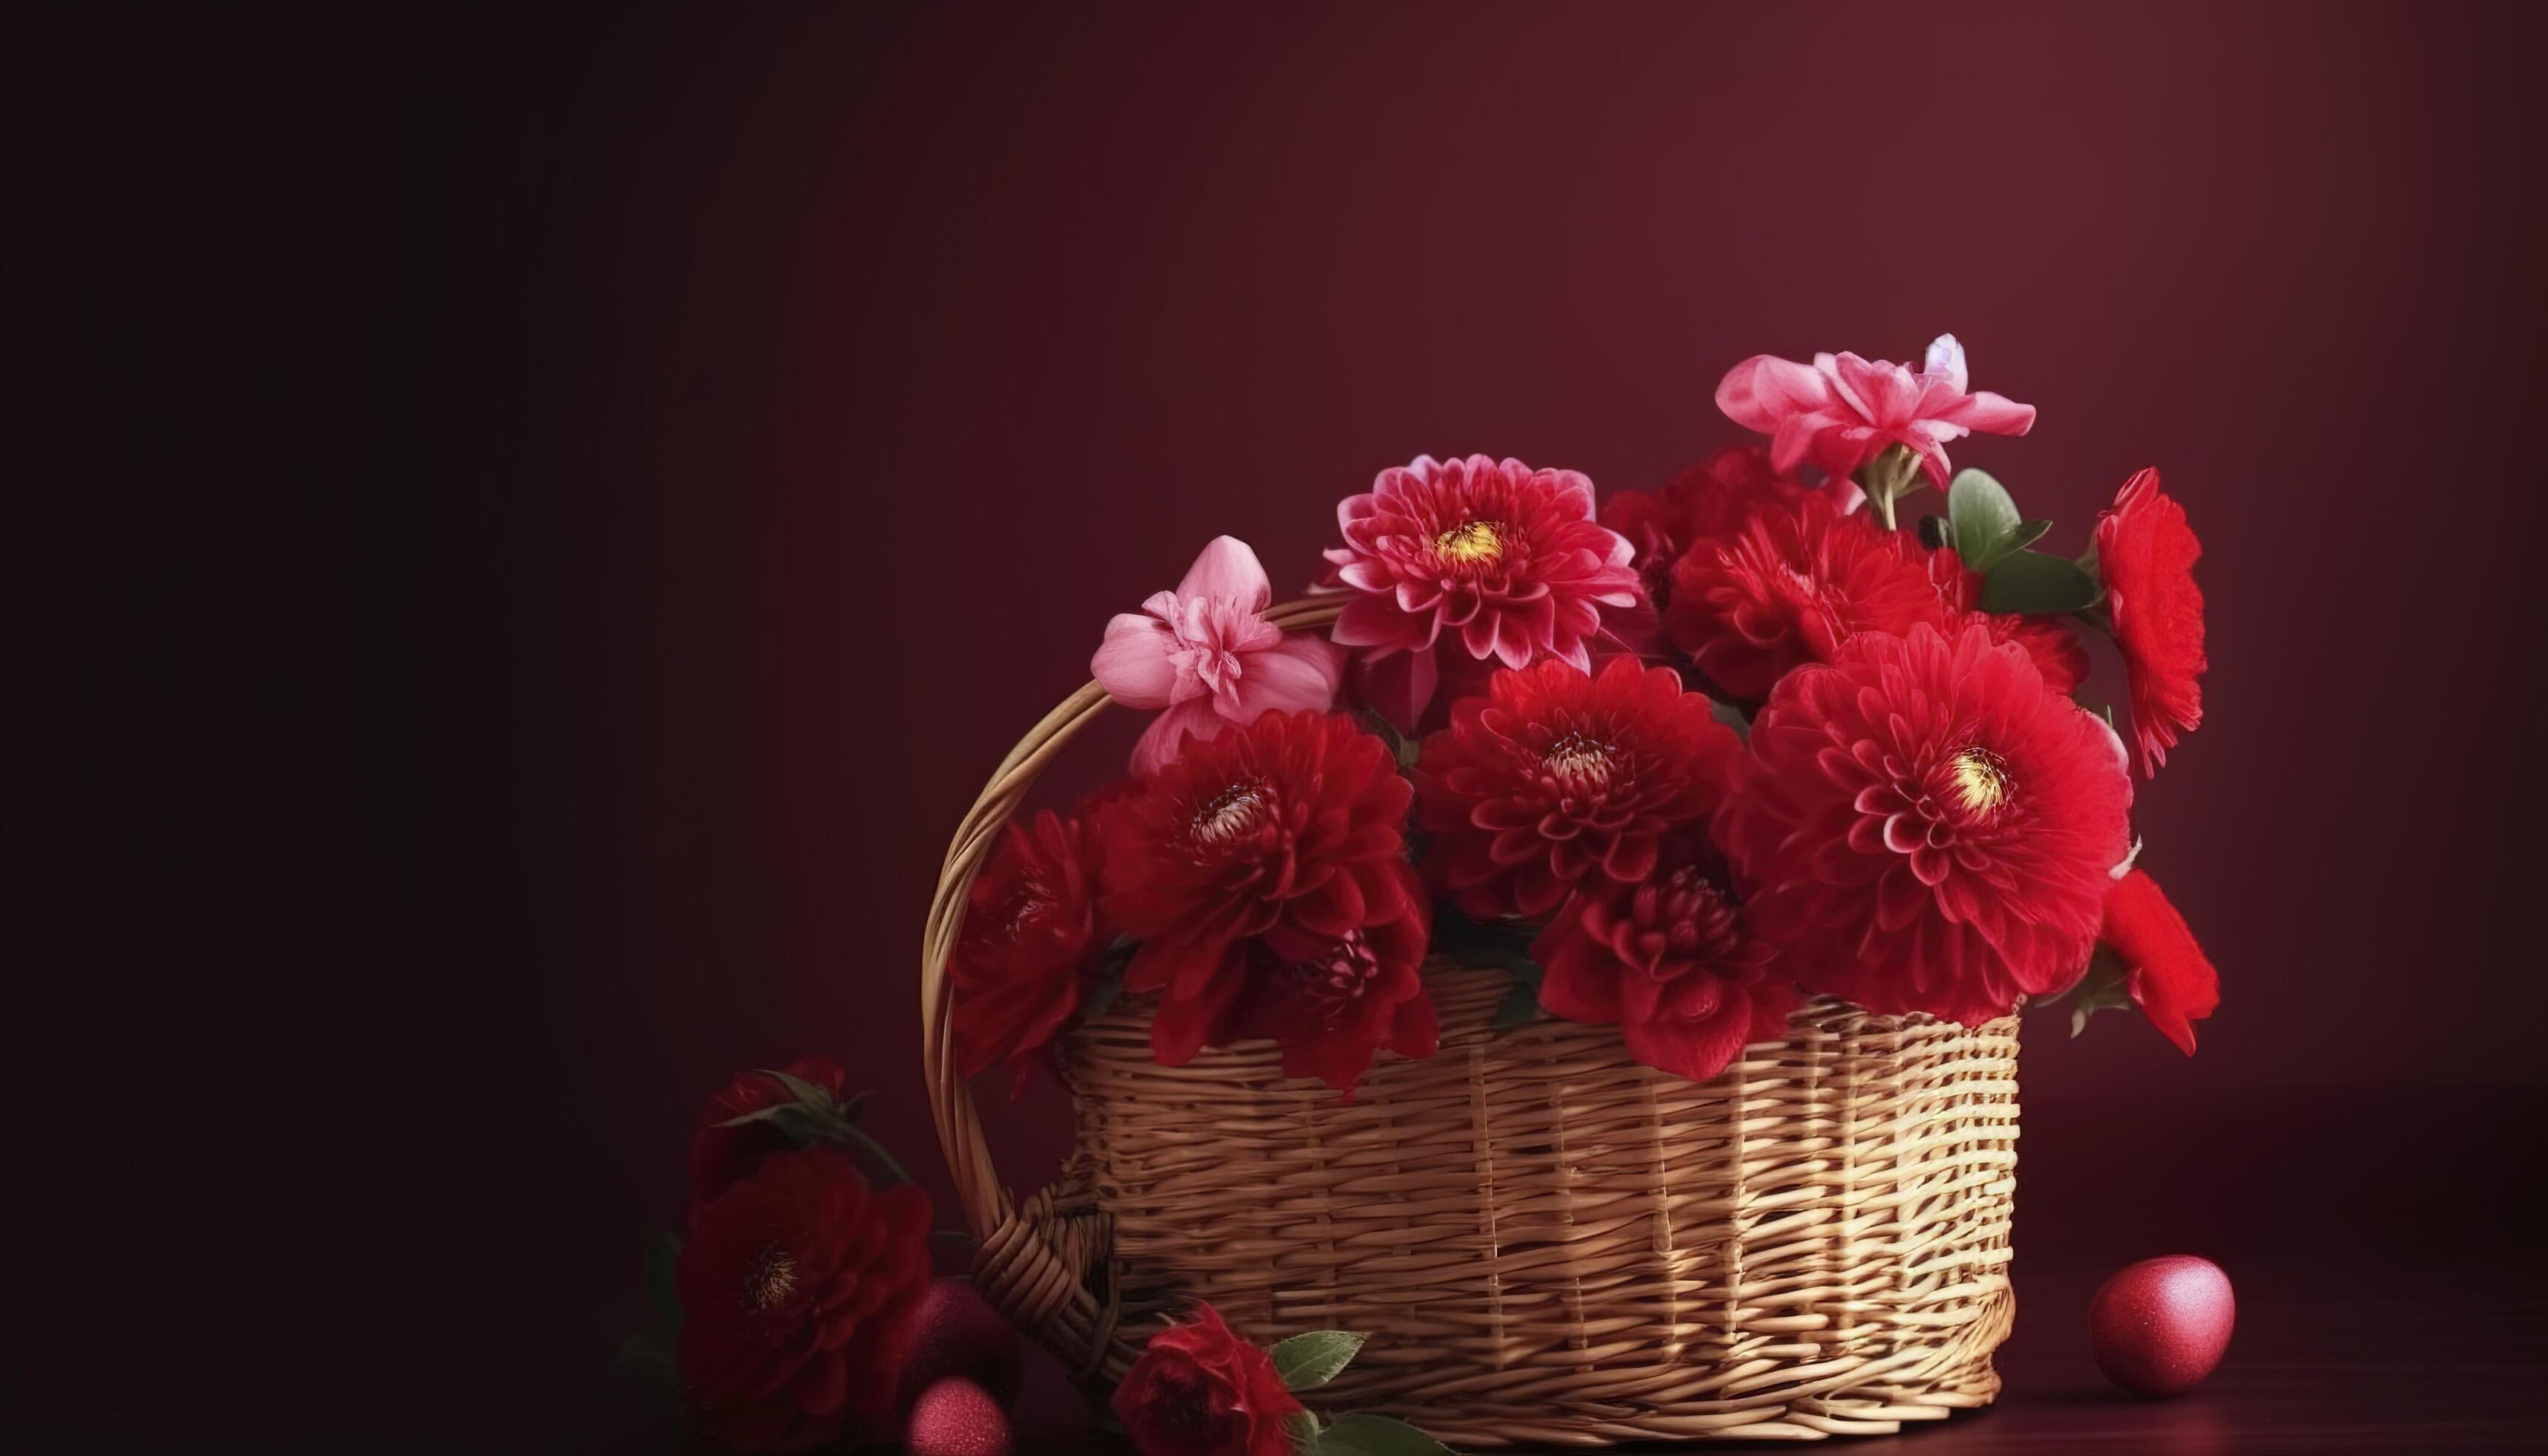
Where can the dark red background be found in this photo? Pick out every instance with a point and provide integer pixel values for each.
(524, 536)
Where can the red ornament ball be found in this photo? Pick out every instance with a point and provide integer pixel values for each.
(2158, 1327)
(956, 1418)
(957, 1333)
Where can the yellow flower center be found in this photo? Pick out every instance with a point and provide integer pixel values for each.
(1470, 542)
(1230, 813)
(1982, 780)
(772, 1278)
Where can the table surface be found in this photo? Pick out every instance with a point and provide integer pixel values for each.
(2325, 1359)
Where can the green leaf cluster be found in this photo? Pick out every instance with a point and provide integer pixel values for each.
(1308, 1361)
(1984, 526)
(1493, 946)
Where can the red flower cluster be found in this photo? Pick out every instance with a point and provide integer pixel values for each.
(1272, 855)
(1800, 577)
(1031, 927)
(799, 1286)
(1922, 820)
(1670, 961)
(1199, 1390)
(1713, 498)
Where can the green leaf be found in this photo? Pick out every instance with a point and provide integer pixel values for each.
(2106, 985)
(1308, 1361)
(1376, 1435)
(1401, 748)
(1305, 1433)
(1983, 518)
(1108, 986)
(1934, 533)
(1482, 944)
(1522, 1003)
(661, 1291)
(1731, 716)
(809, 1093)
(2028, 534)
(2036, 584)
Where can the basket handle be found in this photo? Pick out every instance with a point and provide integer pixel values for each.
(1034, 1259)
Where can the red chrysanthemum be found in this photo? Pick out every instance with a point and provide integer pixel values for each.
(723, 1152)
(1789, 589)
(1332, 1004)
(1291, 824)
(2167, 973)
(1199, 1390)
(1507, 559)
(2146, 552)
(1713, 498)
(1922, 826)
(2058, 653)
(1556, 779)
(799, 1287)
(1031, 927)
(1672, 962)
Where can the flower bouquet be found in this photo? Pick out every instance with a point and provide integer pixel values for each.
(1577, 945)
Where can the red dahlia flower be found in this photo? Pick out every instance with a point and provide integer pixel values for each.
(1199, 1390)
(1713, 498)
(1289, 824)
(2167, 974)
(799, 1287)
(1031, 927)
(2146, 553)
(721, 1155)
(1332, 1004)
(1557, 780)
(1789, 589)
(1671, 961)
(1922, 826)
(1505, 558)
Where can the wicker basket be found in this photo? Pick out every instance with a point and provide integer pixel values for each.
(1551, 1245)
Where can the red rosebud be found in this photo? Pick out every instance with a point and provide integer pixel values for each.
(2170, 977)
(799, 1287)
(1199, 1390)
(720, 1155)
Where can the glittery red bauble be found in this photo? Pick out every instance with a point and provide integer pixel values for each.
(958, 1332)
(2158, 1327)
(956, 1418)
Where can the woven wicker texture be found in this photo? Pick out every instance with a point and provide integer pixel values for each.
(1550, 1244)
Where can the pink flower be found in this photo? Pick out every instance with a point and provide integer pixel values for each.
(1488, 560)
(1843, 411)
(1206, 653)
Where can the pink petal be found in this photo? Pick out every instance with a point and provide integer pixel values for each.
(1761, 391)
(1229, 571)
(1165, 738)
(1946, 357)
(1134, 663)
(1992, 415)
(1299, 671)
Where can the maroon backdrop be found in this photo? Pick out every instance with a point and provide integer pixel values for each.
(535, 533)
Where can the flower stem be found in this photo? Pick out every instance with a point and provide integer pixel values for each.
(853, 1133)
